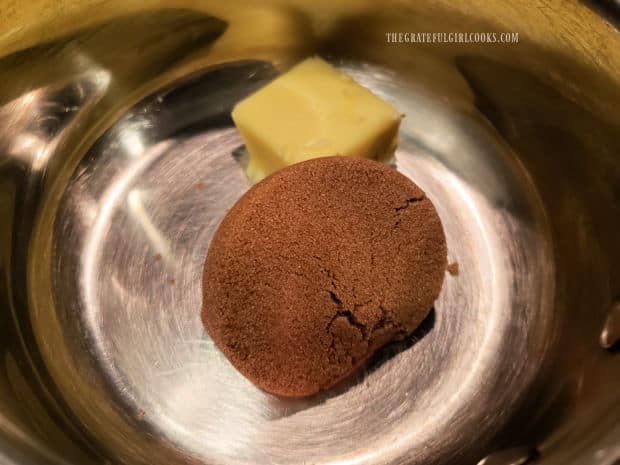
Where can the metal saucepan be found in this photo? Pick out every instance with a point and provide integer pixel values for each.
(118, 158)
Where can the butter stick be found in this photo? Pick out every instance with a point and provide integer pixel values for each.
(312, 111)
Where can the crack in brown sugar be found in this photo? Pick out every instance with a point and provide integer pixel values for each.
(409, 201)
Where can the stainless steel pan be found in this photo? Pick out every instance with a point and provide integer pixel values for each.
(118, 158)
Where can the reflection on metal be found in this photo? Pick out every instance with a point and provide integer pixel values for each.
(117, 161)
(610, 335)
(35, 121)
(515, 456)
(109, 285)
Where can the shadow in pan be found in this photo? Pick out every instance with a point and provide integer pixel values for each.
(375, 361)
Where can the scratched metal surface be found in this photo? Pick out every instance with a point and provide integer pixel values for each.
(118, 158)
(128, 247)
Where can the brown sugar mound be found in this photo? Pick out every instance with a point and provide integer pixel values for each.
(318, 266)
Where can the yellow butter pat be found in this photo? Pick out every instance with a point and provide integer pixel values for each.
(311, 111)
